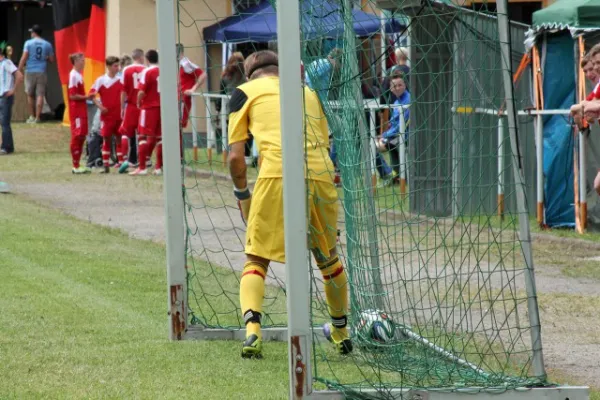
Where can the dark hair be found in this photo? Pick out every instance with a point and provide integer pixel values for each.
(74, 57)
(235, 66)
(111, 60)
(136, 54)
(398, 75)
(126, 60)
(263, 60)
(152, 56)
(179, 49)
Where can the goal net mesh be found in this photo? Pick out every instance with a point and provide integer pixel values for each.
(428, 222)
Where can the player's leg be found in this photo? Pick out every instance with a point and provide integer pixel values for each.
(41, 82)
(105, 132)
(262, 246)
(30, 85)
(323, 205)
(252, 292)
(159, 158)
(78, 135)
(142, 156)
(159, 153)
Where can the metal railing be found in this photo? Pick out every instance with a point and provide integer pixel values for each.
(370, 105)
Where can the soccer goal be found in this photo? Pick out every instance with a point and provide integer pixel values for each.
(434, 224)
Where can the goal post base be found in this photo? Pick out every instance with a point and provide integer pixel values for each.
(546, 393)
(198, 332)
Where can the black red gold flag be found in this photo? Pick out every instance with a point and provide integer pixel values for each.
(79, 26)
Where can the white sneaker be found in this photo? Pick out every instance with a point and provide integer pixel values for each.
(139, 172)
(30, 120)
(157, 172)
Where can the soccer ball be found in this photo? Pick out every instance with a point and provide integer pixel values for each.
(375, 325)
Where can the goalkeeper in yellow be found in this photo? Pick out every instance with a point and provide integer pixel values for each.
(254, 108)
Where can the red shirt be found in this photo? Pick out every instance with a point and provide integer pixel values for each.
(595, 93)
(109, 90)
(188, 74)
(149, 85)
(130, 81)
(77, 108)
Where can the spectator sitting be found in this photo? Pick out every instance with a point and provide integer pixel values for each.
(401, 66)
(389, 140)
(37, 53)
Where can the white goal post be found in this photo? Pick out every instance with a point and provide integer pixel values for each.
(299, 333)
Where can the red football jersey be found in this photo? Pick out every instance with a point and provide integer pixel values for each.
(76, 107)
(130, 80)
(109, 90)
(595, 93)
(188, 74)
(150, 86)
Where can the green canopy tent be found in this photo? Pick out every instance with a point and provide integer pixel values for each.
(578, 15)
(570, 161)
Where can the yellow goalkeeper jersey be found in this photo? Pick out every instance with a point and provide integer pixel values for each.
(254, 108)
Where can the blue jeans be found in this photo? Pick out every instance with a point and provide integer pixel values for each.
(6, 103)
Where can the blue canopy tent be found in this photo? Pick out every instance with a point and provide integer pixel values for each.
(259, 24)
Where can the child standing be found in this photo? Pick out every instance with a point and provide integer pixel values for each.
(77, 112)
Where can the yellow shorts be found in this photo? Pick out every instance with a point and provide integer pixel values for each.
(265, 234)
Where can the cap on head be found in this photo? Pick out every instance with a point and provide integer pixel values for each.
(36, 29)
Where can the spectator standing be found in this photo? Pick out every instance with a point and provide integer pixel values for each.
(233, 76)
(10, 78)
(37, 52)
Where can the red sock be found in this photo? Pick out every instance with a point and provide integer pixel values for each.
(76, 147)
(119, 150)
(142, 152)
(151, 143)
(106, 150)
(125, 147)
(159, 158)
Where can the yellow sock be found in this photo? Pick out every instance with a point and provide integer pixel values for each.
(252, 291)
(336, 294)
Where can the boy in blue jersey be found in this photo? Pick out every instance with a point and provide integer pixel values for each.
(37, 53)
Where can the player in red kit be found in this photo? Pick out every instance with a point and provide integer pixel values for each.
(130, 80)
(190, 78)
(109, 88)
(149, 128)
(77, 112)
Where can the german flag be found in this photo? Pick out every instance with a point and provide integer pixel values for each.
(79, 26)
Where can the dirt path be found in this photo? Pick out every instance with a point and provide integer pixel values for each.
(570, 342)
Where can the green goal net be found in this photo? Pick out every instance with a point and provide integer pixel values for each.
(429, 182)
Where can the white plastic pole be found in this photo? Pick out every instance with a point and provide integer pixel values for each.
(402, 151)
(383, 44)
(176, 276)
(500, 160)
(209, 129)
(539, 370)
(582, 179)
(373, 131)
(194, 128)
(224, 140)
(294, 200)
(539, 154)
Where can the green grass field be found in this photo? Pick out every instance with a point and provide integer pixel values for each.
(84, 309)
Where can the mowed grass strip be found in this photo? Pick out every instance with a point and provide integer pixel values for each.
(84, 316)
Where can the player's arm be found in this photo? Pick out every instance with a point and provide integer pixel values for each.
(200, 79)
(237, 135)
